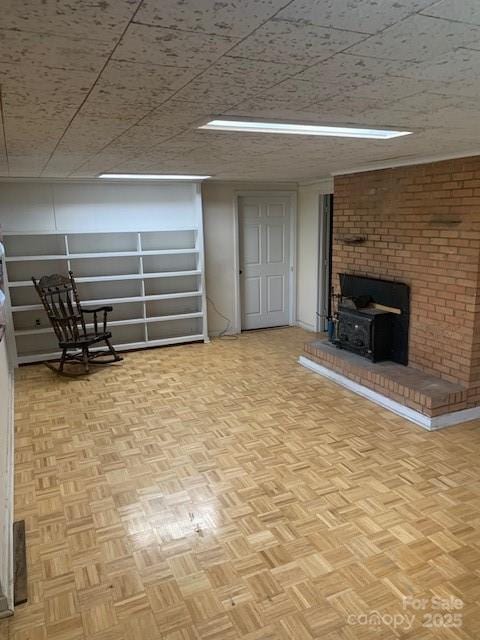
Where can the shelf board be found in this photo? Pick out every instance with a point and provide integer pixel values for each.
(39, 357)
(81, 233)
(89, 303)
(162, 296)
(111, 323)
(108, 254)
(129, 276)
(172, 274)
(177, 316)
(115, 323)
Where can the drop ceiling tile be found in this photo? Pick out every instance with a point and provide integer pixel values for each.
(395, 88)
(271, 108)
(139, 139)
(88, 134)
(232, 80)
(463, 64)
(455, 116)
(216, 97)
(47, 50)
(174, 112)
(287, 42)
(174, 166)
(166, 122)
(427, 102)
(46, 109)
(346, 107)
(96, 164)
(459, 10)
(218, 140)
(114, 157)
(350, 71)
(94, 107)
(25, 134)
(96, 19)
(395, 118)
(27, 165)
(133, 83)
(170, 47)
(250, 76)
(464, 135)
(298, 94)
(135, 165)
(418, 38)
(180, 147)
(31, 91)
(62, 164)
(255, 72)
(464, 88)
(368, 16)
(231, 17)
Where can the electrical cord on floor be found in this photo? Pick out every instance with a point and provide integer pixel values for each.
(222, 334)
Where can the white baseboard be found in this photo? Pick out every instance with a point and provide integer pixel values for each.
(215, 333)
(305, 325)
(427, 422)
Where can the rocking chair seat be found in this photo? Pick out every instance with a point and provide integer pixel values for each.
(85, 341)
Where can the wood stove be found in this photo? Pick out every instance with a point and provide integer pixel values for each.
(367, 332)
(373, 318)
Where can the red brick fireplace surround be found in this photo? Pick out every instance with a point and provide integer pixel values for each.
(419, 225)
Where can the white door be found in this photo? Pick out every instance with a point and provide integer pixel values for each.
(264, 226)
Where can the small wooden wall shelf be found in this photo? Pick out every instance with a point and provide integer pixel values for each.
(352, 239)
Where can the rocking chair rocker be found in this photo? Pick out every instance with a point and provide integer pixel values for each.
(59, 296)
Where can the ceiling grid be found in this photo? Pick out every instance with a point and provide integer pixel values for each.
(123, 86)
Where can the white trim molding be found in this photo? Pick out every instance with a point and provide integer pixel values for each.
(405, 162)
(6, 506)
(306, 326)
(320, 186)
(426, 422)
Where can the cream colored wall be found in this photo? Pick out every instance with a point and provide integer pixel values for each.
(220, 247)
(307, 251)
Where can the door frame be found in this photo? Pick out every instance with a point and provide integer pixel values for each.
(324, 255)
(292, 297)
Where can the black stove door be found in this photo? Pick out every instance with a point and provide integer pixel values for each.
(354, 333)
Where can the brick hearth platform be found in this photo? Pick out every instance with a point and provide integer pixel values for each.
(420, 391)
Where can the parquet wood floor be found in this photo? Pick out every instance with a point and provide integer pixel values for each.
(223, 492)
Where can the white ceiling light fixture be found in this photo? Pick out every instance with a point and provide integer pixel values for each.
(150, 176)
(302, 129)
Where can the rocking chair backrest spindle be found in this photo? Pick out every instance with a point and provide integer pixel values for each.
(59, 296)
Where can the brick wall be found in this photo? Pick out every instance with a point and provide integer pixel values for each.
(422, 225)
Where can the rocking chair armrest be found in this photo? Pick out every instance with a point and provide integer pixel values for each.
(103, 310)
(97, 309)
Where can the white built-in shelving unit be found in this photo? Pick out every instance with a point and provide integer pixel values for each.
(153, 278)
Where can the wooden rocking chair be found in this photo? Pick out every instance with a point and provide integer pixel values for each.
(59, 296)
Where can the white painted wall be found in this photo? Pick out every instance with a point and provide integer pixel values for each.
(6, 480)
(307, 251)
(40, 206)
(220, 246)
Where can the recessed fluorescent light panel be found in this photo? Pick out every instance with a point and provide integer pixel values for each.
(302, 129)
(149, 176)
